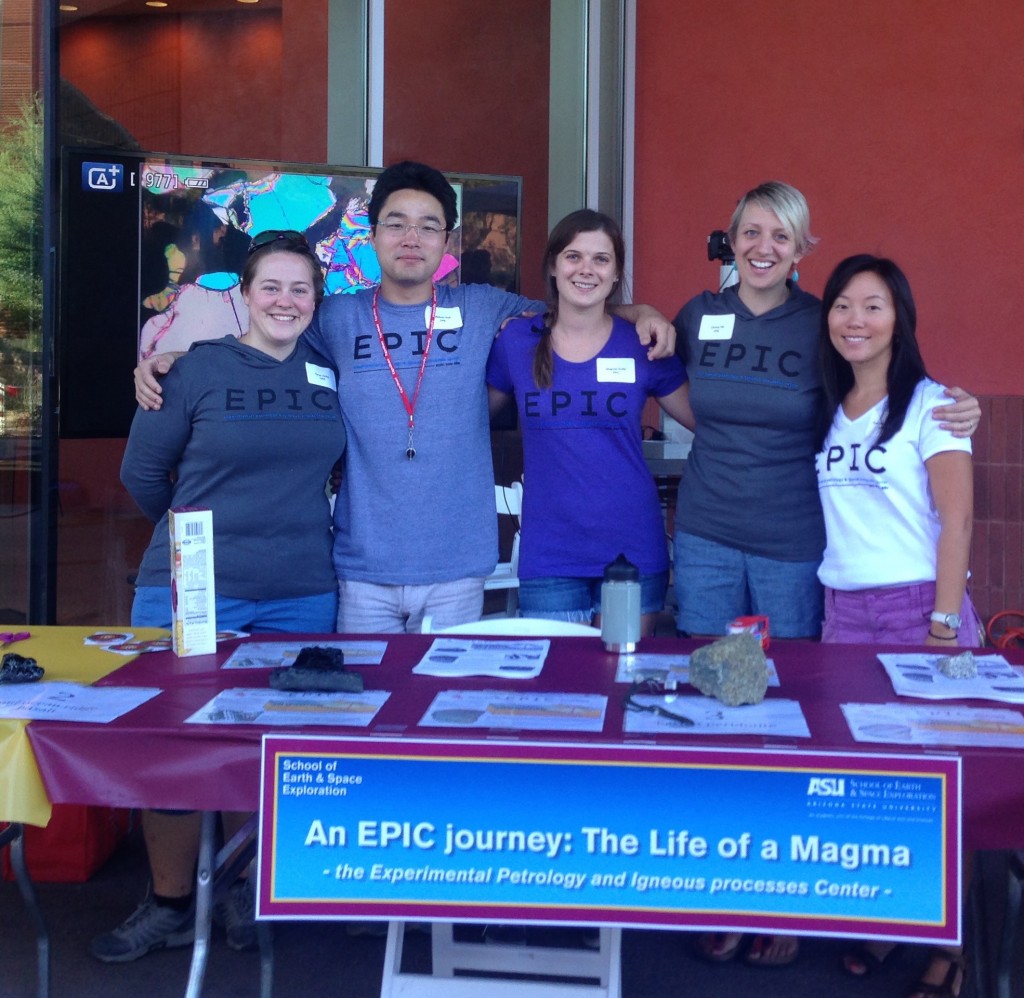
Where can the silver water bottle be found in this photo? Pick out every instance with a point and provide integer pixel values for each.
(620, 606)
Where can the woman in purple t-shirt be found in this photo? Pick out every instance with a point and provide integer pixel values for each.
(581, 378)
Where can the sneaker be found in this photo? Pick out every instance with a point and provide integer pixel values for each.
(235, 913)
(149, 927)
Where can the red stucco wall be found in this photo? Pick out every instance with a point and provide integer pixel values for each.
(211, 84)
(902, 122)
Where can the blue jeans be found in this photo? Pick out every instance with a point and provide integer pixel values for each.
(579, 599)
(714, 584)
(299, 615)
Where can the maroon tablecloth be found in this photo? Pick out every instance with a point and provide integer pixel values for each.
(150, 758)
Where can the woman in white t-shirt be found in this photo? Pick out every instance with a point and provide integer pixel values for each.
(897, 493)
(896, 488)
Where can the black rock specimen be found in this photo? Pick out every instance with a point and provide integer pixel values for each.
(317, 668)
(18, 669)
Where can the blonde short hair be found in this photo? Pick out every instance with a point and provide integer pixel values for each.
(784, 201)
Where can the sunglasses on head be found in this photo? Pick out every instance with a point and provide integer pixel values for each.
(291, 237)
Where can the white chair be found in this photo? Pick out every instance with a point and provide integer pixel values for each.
(601, 969)
(508, 500)
(522, 626)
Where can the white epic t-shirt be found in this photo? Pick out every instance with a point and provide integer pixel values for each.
(881, 525)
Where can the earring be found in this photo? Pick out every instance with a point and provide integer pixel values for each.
(795, 275)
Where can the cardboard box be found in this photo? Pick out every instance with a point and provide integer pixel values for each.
(193, 594)
(758, 626)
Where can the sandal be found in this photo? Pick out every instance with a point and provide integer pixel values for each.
(867, 959)
(707, 944)
(952, 982)
(786, 948)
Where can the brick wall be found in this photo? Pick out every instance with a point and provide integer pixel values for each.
(997, 551)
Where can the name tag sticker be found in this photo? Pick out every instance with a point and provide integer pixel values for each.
(322, 376)
(716, 327)
(446, 318)
(621, 369)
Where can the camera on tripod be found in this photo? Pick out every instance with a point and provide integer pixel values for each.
(719, 247)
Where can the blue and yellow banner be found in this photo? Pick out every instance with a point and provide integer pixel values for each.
(838, 844)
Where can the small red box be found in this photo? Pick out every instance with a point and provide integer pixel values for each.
(78, 840)
(758, 626)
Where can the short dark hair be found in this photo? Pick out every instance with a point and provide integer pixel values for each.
(295, 246)
(412, 176)
(906, 365)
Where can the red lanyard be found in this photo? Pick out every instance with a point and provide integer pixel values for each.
(410, 407)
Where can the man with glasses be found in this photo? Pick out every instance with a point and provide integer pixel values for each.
(415, 525)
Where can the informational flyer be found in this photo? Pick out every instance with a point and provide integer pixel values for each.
(56, 701)
(935, 724)
(518, 711)
(509, 658)
(916, 674)
(672, 671)
(844, 844)
(291, 709)
(707, 716)
(274, 654)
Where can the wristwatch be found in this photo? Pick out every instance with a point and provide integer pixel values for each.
(950, 620)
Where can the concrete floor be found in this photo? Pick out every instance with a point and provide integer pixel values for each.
(321, 959)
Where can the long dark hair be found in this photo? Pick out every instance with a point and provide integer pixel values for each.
(564, 232)
(906, 366)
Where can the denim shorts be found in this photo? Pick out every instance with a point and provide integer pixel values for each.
(896, 615)
(579, 599)
(299, 615)
(715, 584)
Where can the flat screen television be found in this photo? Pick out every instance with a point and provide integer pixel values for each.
(152, 246)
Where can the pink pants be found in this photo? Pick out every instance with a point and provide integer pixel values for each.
(899, 615)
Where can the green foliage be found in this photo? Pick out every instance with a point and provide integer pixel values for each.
(21, 215)
(21, 282)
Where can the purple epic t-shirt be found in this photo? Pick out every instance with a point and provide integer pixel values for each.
(587, 492)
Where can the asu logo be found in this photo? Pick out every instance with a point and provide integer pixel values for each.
(827, 786)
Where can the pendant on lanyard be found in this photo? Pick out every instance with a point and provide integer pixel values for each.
(410, 406)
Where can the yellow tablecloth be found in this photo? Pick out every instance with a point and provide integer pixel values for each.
(61, 651)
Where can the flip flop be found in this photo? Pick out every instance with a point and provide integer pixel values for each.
(706, 942)
(760, 943)
(953, 982)
(868, 959)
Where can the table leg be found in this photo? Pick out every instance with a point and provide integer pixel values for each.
(216, 872)
(392, 970)
(204, 905)
(13, 835)
(1011, 922)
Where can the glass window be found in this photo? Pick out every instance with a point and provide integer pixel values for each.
(469, 89)
(21, 159)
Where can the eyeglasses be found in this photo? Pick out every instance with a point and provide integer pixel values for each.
(426, 232)
(292, 237)
(652, 688)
